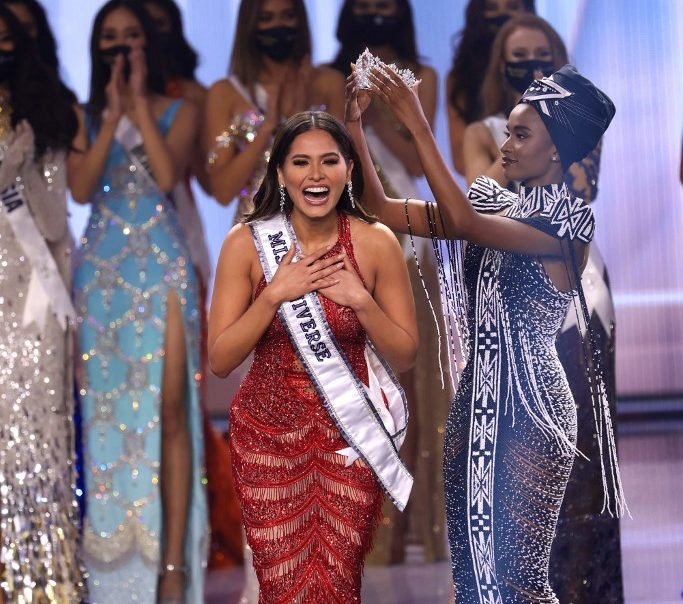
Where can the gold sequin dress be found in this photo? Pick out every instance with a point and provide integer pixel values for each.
(39, 537)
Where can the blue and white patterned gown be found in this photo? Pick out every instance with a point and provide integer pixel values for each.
(511, 432)
(133, 258)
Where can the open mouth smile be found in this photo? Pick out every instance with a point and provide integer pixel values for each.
(317, 195)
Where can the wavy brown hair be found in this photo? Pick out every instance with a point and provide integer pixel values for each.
(496, 94)
(267, 198)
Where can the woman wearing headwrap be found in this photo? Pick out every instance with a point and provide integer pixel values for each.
(585, 565)
(511, 432)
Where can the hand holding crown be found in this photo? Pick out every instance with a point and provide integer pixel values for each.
(395, 87)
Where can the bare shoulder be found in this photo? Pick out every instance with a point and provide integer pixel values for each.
(188, 110)
(326, 82)
(477, 132)
(373, 238)
(238, 240)
(222, 91)
(427, 74)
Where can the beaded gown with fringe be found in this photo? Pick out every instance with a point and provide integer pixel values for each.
(308, 518)
(511, 432)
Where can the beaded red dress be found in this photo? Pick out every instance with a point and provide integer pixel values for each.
(308, 518)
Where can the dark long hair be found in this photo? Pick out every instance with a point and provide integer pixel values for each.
(98, 74)
(44, 39)
(36, 94)
(246, 60)
(267, 198)
(470, 60)
(185, 59)
(403, 44)
(496, 94)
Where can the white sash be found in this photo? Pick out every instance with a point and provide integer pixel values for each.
(46, 288)
(129, 137)
(374, 432)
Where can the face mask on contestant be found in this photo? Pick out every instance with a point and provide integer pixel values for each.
(520, 74)
(498, 12)
(495, 23)
(375, 29)
(108, 57)
(277, 43)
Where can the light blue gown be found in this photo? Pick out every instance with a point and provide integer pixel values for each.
(132, 258)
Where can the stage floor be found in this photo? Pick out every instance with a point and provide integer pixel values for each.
(652, 541)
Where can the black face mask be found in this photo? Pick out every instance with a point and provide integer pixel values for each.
(8, 65)
(495, 23)
(276, 42)
(108, 57)
(375, 30)
(521, 73)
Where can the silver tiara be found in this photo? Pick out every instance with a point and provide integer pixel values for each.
(365, 63)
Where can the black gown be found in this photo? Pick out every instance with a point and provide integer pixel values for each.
(511, 432)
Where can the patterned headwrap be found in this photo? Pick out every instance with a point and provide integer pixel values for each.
(575, 112)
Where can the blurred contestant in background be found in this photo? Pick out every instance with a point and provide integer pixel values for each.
(32, 16)
(271, 78)
(483, 19)
(388, 30)
(139, 310)
(180, 63)
(39, 537)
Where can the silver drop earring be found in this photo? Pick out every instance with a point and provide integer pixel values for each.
(282, 198)
(349, 187)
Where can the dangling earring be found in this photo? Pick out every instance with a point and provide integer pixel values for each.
(282, 198)
(349, 188)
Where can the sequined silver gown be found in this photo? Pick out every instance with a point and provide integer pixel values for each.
(512, 426)
(39, 536)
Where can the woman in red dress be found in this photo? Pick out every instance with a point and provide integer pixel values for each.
(310, 504)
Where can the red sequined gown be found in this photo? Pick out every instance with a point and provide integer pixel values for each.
(309, 519)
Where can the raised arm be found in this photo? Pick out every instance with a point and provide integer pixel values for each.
(398, 138)
(463, 221)
(391, 212)
(231, 168)
(86, 162)
(235, 322)
(168, 156)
